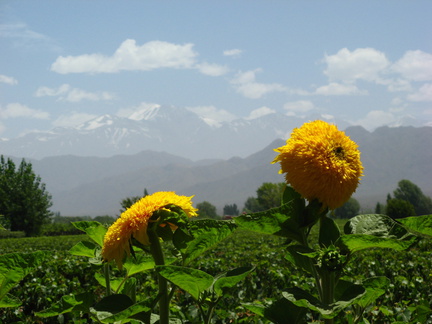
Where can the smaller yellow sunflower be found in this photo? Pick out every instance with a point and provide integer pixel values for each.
(321, 162)
(134, 222)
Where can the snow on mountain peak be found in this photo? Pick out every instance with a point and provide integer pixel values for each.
(104, 120)
(147, 112)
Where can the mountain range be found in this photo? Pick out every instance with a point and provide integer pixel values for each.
(179, 131)
(96, 185)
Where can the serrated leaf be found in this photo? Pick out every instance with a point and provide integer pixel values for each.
(193, 281)
(229, 279)
(84, 248)
(95, 230)
(419, 224)
(376, 225)
(201, 235)
(69, 303)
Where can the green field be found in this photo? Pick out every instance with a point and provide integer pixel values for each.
(410, 273)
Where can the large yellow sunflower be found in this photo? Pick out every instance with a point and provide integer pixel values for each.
(134, 222)
(321, 162)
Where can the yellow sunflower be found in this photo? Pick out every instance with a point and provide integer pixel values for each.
(134, 222)
(321, 162)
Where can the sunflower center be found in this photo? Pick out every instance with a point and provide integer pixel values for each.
(339, 152)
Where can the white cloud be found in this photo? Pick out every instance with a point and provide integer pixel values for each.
(423, 94)
(257, 113)
(361, 64)
(17, 110)
(66, 93)
(301, 106)
(211, 115)
(235, 52)
(212, 69)
(376, 118)
(73, 119)
(129, 57)
(415, 66)
(8, 80)
(245, 84)
(339, 89)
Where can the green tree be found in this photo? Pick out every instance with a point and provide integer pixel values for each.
(231, 210)
(252, 205)
(129, 201)
(206, 210)
(410, 192)
(24, 201)
(348, 210)
(398, 208)
(269, 195)
(379, 209)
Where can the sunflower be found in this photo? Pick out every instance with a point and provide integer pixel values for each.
(134, 222)
(321, 162)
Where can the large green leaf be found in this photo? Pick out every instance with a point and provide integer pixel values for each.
(282, 221)
(95, 230)
(346, 293)
(229, 279)
(193, 281)
(375, 287)
(137, 264)
(299, 255)
(14, 267)
(419, 224)
(69, 303)
(329, 232)
(84, 248)
(9, 301)
(375, 231)
(200, 236)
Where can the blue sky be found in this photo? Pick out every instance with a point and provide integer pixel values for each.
(64, 62)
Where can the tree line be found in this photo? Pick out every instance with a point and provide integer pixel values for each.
(25, 203)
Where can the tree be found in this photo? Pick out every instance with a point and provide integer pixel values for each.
(349, 209)
(231, 210)
(24, 201)
(129, 201)
(252, 205)
(206, 210)
(410, 192)
(269, 195)
(398, 208)
(379, 209)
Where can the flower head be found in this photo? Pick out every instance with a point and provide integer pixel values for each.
(134, 222)
(321, 162)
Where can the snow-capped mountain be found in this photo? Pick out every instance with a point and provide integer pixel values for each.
(171, 129)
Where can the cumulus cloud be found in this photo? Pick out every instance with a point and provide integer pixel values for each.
(339, 89)
(245, 84)
(212, 69)
(72, 119)
(129, 57)
(300, 106)
(423, 94)
(8, 80)
(361, 64)
(67, 93)
(17, 110)
(257, 113)
(212, 115)
(235, 52)
(415, 66)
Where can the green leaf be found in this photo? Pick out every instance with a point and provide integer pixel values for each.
(301, 256)
(118, 307)
(289, 195)
(69, 303)
(14, 267)
(202, 235)
(282, 221)
(95, 230)
(84, 248)
(137, 264)
(284, 311)
(329, 232)
(418, 224)
(357, 242)
(375, 287)
(193, 281)
(229, 279)
(9, 301)
(347, 294)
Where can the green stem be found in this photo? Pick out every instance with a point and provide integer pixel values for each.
(313, 267)
(156, 251)
(106, 271)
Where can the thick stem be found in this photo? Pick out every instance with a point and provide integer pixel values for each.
(156, 251)
(328, 287)
(106, 270)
